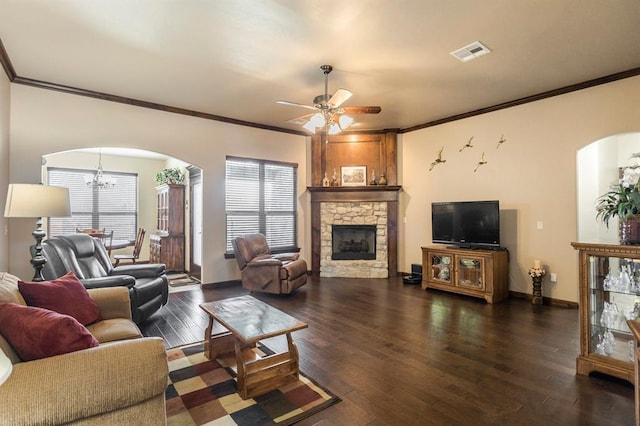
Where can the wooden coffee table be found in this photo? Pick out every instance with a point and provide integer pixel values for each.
(245, 320)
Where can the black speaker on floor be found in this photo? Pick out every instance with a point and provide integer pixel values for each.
(416, 275)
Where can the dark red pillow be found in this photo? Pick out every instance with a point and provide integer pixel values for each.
(36, 333)
(65, 295)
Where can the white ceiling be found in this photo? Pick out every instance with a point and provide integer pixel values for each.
(235, 58)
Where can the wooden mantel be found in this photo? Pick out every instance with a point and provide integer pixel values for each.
(346, 194)
(355, 193)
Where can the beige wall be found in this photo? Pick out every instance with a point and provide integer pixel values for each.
(533, 174)
(4, 167)
(44, 121)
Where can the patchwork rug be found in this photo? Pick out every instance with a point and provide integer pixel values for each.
(203, 391)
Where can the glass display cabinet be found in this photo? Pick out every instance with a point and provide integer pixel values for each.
(478, 273)
(609, 278)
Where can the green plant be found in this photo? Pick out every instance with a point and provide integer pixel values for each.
(624, 198)
(170, 176)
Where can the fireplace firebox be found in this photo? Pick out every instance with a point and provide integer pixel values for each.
(353, 242)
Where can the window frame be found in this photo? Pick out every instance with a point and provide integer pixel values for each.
(262, 213)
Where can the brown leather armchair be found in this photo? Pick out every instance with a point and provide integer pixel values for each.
(266, 272)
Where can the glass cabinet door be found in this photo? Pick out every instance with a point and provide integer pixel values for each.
(470, 271)
(440, 269)
(613, 287)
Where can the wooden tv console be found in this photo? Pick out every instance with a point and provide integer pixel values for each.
(477, 273)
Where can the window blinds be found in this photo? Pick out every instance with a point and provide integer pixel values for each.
(260, 196)
(109, 208)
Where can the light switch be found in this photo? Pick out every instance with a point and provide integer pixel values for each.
(539, 225)
(553, 278)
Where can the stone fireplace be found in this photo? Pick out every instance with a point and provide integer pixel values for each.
(354, 231)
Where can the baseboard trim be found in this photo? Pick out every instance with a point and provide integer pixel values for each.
(545, 300)
(222, 284)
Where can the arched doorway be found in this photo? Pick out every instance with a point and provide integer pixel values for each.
(144, 165)
(598, 167)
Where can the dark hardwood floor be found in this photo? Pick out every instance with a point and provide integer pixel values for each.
(396, 354)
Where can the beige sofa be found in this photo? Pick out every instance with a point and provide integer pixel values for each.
(121, 381)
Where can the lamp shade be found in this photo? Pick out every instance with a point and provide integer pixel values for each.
(33, 200)
(5, 367)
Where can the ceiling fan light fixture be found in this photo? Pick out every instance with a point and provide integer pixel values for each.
(330, 116)
(345, 121)
(334, 129)
(318, 120)
(310, 126)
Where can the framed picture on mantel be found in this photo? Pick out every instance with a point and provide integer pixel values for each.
(354, 175)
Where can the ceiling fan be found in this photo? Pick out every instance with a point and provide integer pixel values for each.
(329, 115)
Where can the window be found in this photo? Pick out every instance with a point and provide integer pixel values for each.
(260, 196)
(112, 208)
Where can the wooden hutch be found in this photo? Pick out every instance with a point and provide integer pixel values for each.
(167, 244)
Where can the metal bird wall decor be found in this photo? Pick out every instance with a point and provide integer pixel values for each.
(437, 160)
(482, 162)
(467, 145)
(501, 141)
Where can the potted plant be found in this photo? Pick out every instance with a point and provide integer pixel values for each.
(170, 176)
(623, 201)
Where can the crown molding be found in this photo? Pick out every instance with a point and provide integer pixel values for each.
(14, 78)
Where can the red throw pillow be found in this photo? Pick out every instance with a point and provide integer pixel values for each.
(65, 295)
(36, 333)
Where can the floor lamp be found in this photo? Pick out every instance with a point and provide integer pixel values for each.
(37, 201)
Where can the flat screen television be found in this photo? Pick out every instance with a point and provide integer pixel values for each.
(466, 224)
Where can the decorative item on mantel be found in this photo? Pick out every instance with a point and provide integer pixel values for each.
(537, 274)
(373, 180)
(334, 178)
(325, 180)
(623, 201)
(382, 180)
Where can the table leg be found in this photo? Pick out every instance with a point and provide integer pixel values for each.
(293, 354)
(207, 339)
(241, 376)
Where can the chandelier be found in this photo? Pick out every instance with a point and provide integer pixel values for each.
(99, 179)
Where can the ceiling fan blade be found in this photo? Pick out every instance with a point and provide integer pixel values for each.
(296, 104)
(300, 120)
(362, 109)
(339, 97)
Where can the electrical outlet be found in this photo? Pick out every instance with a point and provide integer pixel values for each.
(553, 277)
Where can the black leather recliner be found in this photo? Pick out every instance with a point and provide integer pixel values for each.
(88, 259)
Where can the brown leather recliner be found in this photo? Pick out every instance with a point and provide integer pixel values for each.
(266, 272)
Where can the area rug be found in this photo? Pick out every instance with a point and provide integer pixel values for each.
(204, 392)
(178, 280)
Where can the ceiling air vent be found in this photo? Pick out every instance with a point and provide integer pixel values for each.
(471, 51)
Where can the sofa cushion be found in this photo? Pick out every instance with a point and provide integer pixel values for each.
(65, 295)
(37, 333)
(111, 330)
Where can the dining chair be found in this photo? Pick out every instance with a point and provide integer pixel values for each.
(137, 247)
